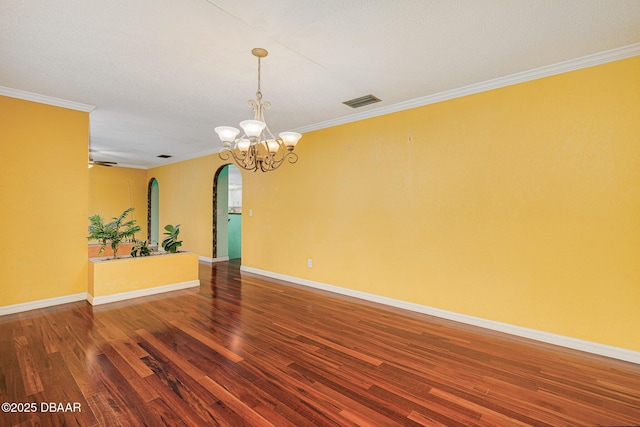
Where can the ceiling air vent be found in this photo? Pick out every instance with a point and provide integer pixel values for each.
(362, 101)
(164, 156)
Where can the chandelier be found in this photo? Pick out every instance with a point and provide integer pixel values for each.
(257, 148)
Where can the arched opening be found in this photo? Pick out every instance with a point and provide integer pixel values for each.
(227, 213)
(234, 233)
(153, 212)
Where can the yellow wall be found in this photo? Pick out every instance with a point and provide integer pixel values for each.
(44, 190)
(520, 205)
(114, 189)
(186, 193)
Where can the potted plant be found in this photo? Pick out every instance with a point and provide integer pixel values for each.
(171, 242)
(140, 274)
(140, 248)
(112, 233)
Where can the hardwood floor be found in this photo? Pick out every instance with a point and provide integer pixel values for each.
(244, 350)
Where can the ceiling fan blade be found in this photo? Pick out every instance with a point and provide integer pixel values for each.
(101, 163)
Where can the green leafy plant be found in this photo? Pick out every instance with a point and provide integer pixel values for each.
(141, 248)
(171, 242)
(112, 233)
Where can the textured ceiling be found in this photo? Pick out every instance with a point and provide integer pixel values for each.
(163, 73)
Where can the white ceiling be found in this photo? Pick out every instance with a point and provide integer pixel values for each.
(163, 73)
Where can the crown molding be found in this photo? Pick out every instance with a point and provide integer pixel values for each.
(525, 76)
(43, 99)
(537, 73)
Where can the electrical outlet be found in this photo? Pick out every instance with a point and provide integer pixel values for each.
(309, 263)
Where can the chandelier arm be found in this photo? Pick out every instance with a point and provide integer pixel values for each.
(291, 157)
(249, 158)
(224, 154)
(270, 165)
(246, 162)
(271, 162)
(266, 132)
(287, 153)
(264, 169)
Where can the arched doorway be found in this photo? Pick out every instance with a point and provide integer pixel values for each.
(227, 213)
(153, 212)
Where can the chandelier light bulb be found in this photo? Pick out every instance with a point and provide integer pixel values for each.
(272, 145)
(227, 133)
(252, 128)
(290, 139)
(243, 145)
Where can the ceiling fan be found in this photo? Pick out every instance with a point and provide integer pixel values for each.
(100, 163)
(97, 162)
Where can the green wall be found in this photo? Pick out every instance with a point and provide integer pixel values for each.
(235, 236)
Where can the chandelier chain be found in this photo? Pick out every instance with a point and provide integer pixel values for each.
(259, 93)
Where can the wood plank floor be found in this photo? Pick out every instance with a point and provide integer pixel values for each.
(244, 350)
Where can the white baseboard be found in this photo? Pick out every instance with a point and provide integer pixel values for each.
(43, 303)
(212, 260)
(561, 340)
(141, 293)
